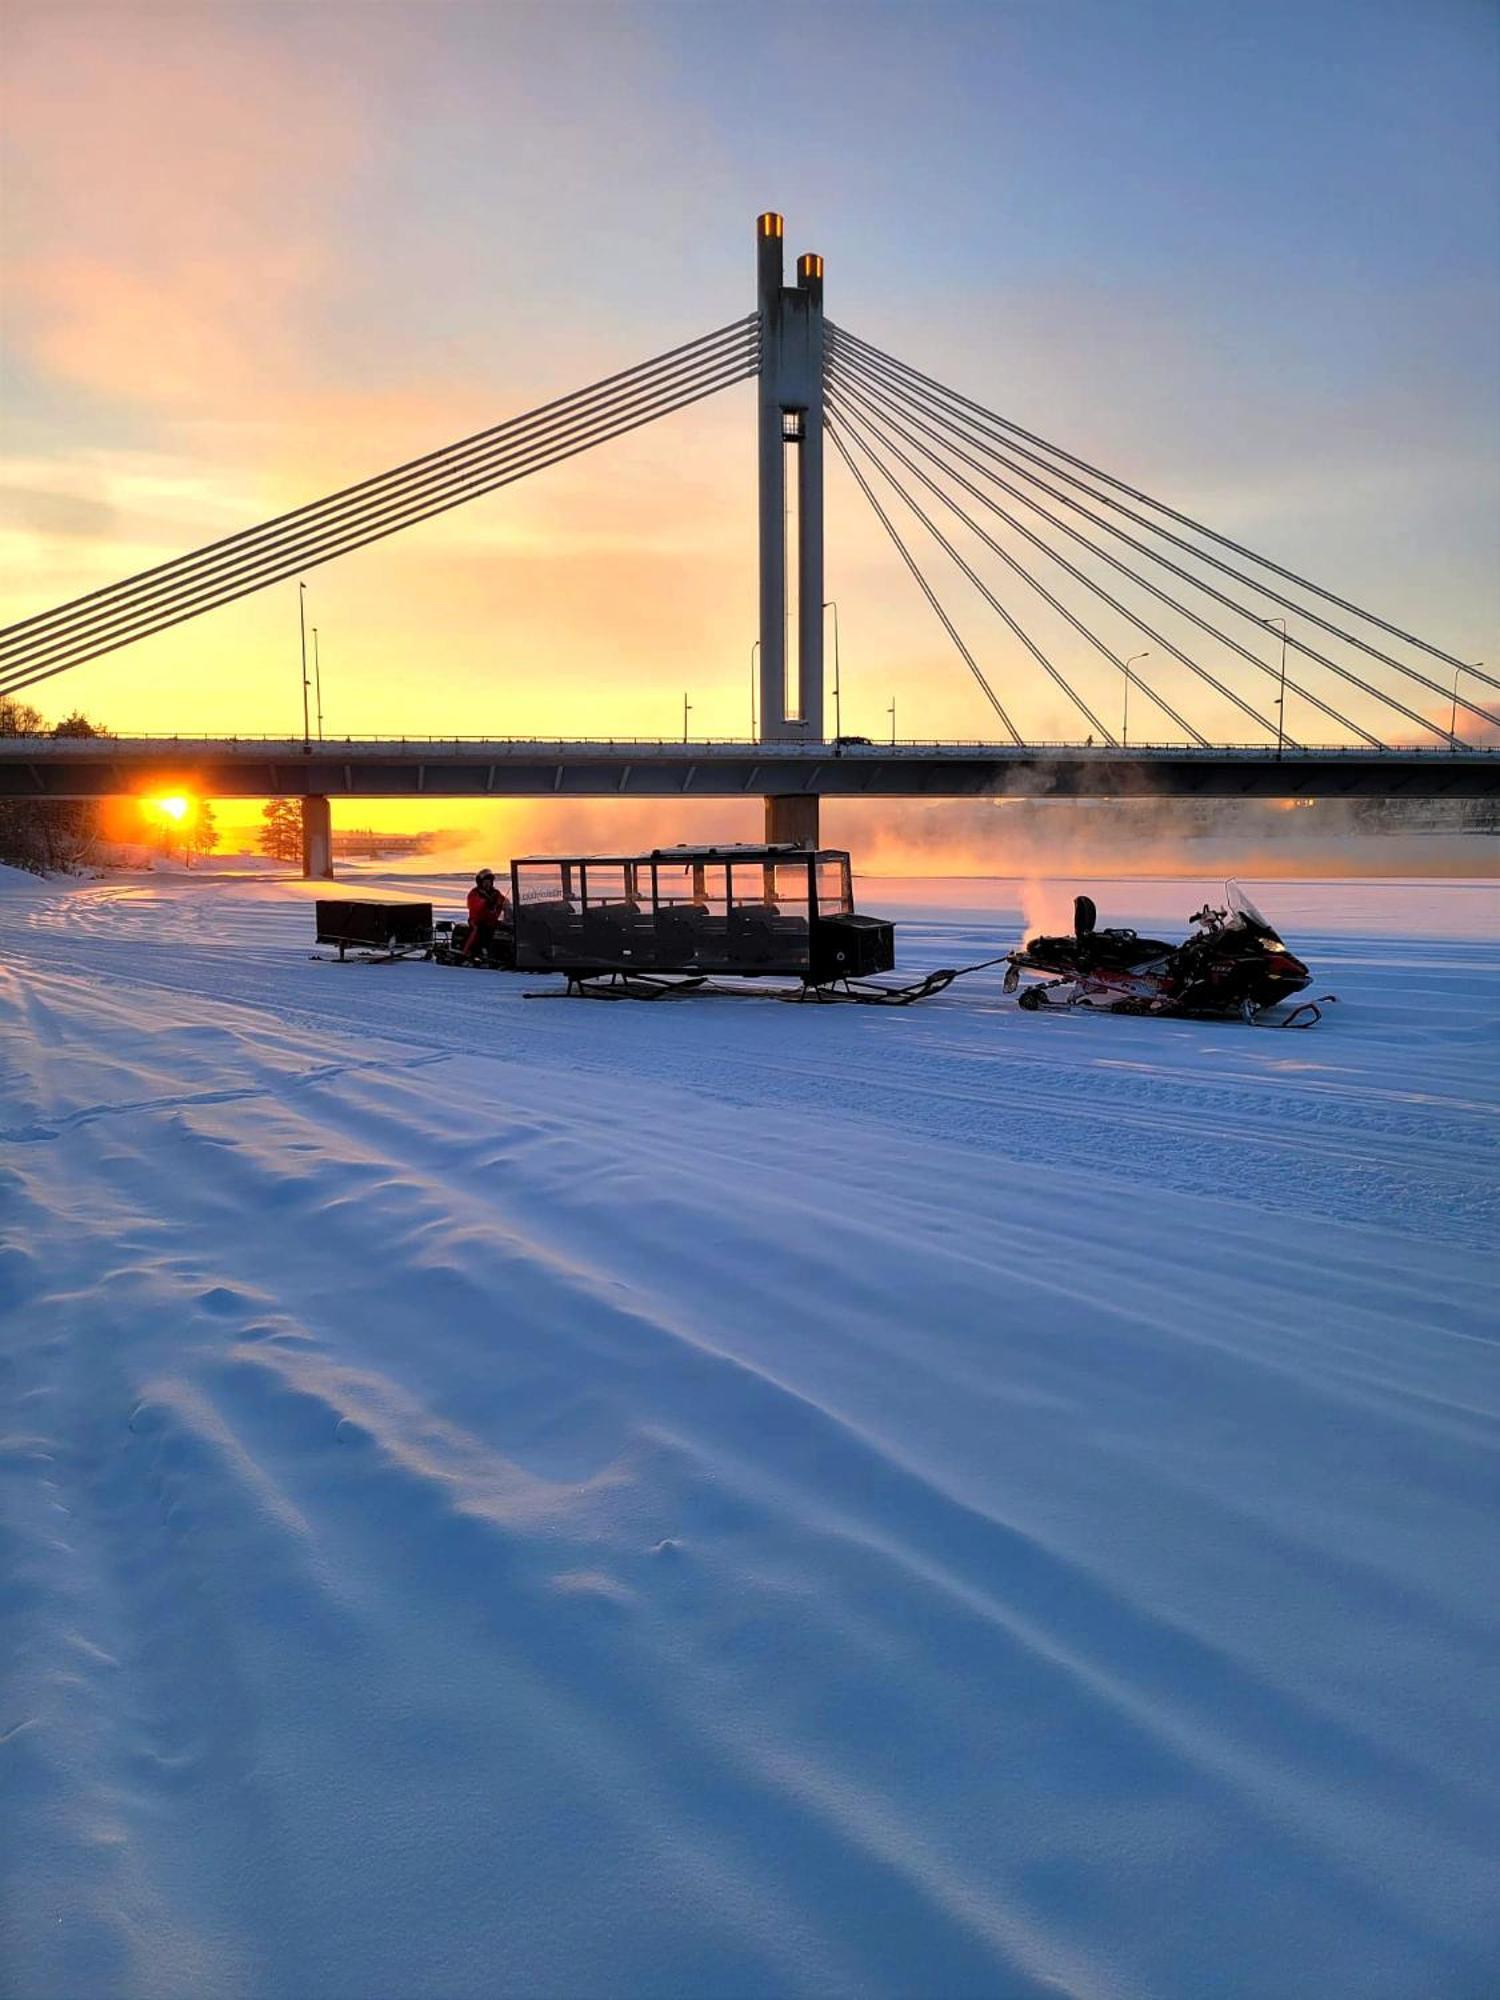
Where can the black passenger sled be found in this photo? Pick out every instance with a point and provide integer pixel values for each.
(676, 918)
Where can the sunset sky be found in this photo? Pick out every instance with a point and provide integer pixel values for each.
(1241, 254)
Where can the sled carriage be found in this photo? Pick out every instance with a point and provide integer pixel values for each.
(689, 913)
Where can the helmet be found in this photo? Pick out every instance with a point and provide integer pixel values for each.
(484, 875)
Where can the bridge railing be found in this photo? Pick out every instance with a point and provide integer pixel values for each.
(44, 743)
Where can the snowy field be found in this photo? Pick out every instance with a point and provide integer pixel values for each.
(518, 1498)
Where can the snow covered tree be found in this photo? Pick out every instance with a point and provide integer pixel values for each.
(281, 835)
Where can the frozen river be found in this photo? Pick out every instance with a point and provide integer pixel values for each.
(722, 1498)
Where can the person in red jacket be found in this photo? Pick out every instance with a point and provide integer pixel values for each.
(489, 910)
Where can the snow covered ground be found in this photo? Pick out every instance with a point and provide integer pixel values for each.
(510, 1498)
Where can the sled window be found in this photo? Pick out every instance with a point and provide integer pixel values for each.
(702, 885)
(776, 886)
(540, 882)
(835, 894)
(603, 884)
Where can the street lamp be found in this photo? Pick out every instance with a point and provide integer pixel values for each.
(302, 628)
(686, 711)
(891, 712)
(753, 651)
(1125, 724)
(318, 681)
(1281, 693)
(829, 604)
(1453, 714)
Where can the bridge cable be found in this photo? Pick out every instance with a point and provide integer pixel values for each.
(862, 412)
(227, 576)
(1143, 582)
(251, 569)
(1198, 583)
(927, 590)
(380, 493)
(183, 595)
(475, 449)
(246, 579)
(278, 560)
(978, 582)
(867, 397)
(952, 415)
(1186, 520)
(923, 438)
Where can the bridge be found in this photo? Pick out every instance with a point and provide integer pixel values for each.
(1058, 578)
(469, 768)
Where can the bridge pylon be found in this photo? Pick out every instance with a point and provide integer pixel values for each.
(790, 458)
(317, 838)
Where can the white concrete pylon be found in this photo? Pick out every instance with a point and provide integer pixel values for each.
(790, 460)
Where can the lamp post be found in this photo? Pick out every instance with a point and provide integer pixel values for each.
(302, 628)
(891, 712)
(1125, 721)
(1453, 713)
(753, 651)
(1281, 691)
(686, 711)
(829, 604)
(318, 681)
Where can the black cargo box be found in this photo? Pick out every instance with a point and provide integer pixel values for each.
(374, 926)
(851, 946)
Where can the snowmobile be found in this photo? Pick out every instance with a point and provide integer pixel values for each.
(450, 939)
(1232, 963)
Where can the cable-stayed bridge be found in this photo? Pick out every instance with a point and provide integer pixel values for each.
(1047, 575)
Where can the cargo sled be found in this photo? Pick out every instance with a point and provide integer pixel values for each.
(377, 932)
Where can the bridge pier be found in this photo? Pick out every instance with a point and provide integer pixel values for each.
(792, 819)
(317, 838)
(790, 457)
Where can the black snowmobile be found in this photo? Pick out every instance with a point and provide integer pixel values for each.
(1233, 963)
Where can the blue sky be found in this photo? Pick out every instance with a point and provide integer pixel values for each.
(1245, 255)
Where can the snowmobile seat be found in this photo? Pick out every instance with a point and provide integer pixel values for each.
(1119, 950)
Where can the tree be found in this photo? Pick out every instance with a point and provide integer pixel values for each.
(189, 831)
(77, 724)
(281, 836)
(19, 718)
(200, 830)
(46, 834)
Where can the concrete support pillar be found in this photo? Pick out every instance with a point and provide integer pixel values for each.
(790, 462)
(792, 820)
(770, 483)
(317, 838)
(807, 328)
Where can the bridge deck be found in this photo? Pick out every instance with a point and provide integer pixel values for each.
(376, 768)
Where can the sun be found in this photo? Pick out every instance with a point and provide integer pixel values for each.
(175, 807)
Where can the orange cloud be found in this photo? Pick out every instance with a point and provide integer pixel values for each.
(170, 200)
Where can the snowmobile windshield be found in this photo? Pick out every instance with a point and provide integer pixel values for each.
(1241, 906)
